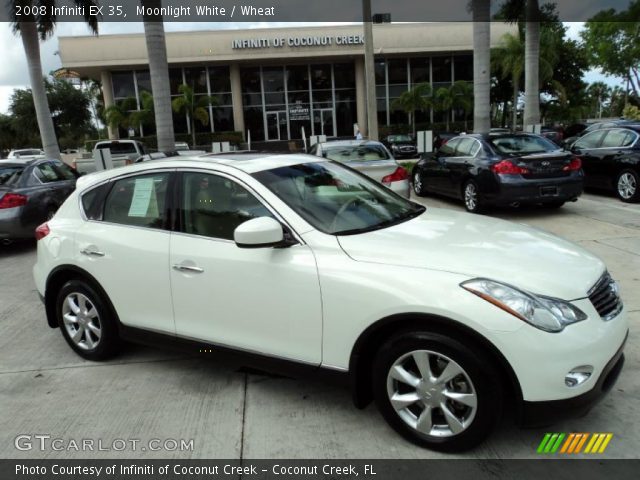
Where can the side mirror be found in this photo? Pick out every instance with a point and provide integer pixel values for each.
(262, 232)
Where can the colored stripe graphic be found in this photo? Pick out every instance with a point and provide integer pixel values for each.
(573, 443)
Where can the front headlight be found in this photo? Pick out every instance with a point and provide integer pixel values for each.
(546, 313)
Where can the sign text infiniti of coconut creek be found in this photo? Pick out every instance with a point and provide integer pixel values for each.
(303, 41)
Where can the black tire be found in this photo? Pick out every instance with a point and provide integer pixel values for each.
(418, 183)
(477, 375)
(627, 185)
(471, 197)
(89, 344)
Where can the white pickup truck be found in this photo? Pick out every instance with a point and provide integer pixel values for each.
(123, 152)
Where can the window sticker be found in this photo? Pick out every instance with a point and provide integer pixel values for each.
(144, 202)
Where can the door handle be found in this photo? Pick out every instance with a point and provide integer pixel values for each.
(92, 253)
(188, 268)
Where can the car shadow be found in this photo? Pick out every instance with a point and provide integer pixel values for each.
(16, 247)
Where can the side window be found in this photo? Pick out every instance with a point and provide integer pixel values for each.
(214, 206)
(138, 201)
(465, 147)
(618, 138)
(449, 148)
(590, 140)
(314, 150)
(46, 173)
(93, 202)
(64, 171)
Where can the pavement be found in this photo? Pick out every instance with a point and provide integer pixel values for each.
(232, 413)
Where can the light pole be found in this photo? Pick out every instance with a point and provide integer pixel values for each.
(369, 69)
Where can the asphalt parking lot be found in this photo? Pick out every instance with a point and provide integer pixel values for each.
(146, 393)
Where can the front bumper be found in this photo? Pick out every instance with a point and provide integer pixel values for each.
(539, 414)
(515, 189)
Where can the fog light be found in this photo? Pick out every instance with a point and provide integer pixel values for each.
(578, 375)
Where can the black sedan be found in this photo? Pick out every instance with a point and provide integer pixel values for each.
(510, 169)
(611, 160)
(401, 146)
(30, 194)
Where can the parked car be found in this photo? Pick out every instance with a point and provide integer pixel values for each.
(611, 160)
(369, 157)
(25, 154)
(513, 169)
(123, 152)
(570, 140)
(401, 146)
(30, 193)
(304, 264)
(175, 153)
(552, 133)
(182, 146)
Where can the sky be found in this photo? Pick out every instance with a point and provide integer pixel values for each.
(15, 74)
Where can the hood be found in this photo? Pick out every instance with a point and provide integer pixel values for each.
(478, 246)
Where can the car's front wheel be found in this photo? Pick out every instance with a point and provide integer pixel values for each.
(418, 184)
(86, 321)
(436, 392)
(627, 186)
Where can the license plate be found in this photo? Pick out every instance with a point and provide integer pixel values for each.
(548, 191)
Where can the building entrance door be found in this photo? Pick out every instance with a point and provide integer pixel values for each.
(277, 125)
(323, 122)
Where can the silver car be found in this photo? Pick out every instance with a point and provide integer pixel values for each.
(369, 157)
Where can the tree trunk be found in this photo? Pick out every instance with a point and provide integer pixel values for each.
(532, 65)
(31, 44)
(193, 132)
(481, 66)
(514, 110)
(159, 73)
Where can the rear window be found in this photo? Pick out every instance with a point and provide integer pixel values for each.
(10, 175)
(523, 144)
(355, 153)
(118, 148)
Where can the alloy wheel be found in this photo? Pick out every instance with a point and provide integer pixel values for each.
(471, 197)
(81, 321)
(417, 183)
(432, 393)
(627, 185)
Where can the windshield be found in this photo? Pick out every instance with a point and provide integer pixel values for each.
(355, 153)
(399, 138)
(10, 175)
(337, 200)
(523, 144)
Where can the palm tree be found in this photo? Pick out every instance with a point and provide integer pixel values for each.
(532, 64)
(463, 98)
(445, 99)
(416, 99)
(509, 60)
(159, 73)
(119, 115)
(33, 28)
(600, 92)
(481, 66)
(194, 106)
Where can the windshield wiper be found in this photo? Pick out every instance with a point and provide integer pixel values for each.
(385, 223)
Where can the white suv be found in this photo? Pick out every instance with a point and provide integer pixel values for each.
(438, 316)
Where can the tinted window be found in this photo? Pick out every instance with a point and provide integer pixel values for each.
(517, 144)
(618, 138)
(138, 201)
(466, 147)
(214, 206)
(92, 202)
(449, 148)
(355, 153)
(46, 173)
(118, 148)
(590, 140)
(65, 171)
(10, 175)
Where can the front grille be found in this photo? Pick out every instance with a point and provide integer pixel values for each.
(605, 297)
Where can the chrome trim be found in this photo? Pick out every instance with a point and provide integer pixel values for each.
(188, 268)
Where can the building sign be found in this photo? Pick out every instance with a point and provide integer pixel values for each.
(294, 42)
(299, 113)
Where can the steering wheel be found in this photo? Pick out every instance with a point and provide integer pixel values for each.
(343, 209)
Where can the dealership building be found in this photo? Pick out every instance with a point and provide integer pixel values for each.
(275, 81)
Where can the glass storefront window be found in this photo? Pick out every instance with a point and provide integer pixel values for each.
(398, 71)
(463, 67)
(223, 119)
(273, 79)
(298, 77)
(397, 90)
(254, 121)
(420, 71)
(274, 98)
(302, 97)
(345, 95)
(441, 69)
(144, 81)
(219, 79)
(175, 80)
(381, 76)
(251, 89)
(344, 75)
(322, 96)
(196, 78)
(123, 85)
(320, 77)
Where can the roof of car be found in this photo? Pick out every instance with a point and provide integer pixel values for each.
(349, 143)
(248, 163)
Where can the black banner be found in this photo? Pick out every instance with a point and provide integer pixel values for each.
(541, 469)
(285, 10)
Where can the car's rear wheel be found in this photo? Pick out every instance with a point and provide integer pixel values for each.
(471, 197)
(418, 184)
(86, 322)
(436, 392)
(627, 186)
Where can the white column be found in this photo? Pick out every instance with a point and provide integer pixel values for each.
(107, 95)
(236, 98)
